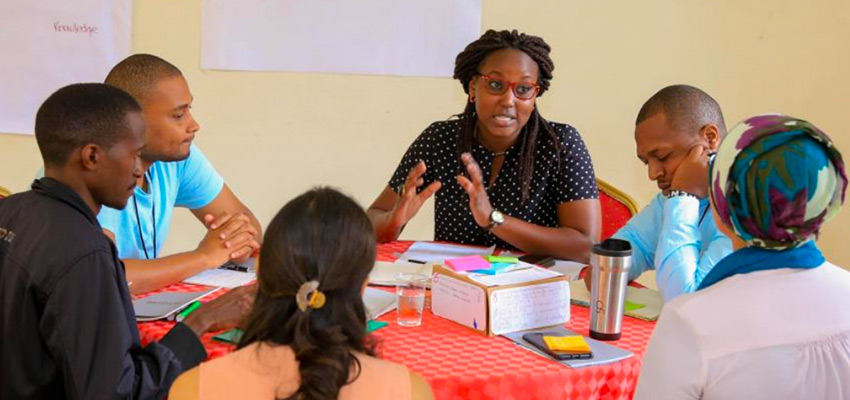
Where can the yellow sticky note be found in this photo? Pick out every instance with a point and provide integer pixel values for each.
(566, 343)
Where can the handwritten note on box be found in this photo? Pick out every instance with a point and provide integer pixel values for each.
(468, 263)
(529, 307)
(498, 309)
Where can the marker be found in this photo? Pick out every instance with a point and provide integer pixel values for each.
(185, 313)
(233, 267)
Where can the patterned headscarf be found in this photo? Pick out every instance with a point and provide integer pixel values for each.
(775, 180)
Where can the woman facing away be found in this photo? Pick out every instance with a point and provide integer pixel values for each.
(306, 335)
(771, 320)
(503, 175)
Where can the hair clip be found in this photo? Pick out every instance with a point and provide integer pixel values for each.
(309, 296)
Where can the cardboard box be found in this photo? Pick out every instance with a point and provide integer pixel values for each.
(497, 304)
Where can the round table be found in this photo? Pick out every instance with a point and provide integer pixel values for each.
(462, 364)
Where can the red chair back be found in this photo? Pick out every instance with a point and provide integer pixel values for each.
(617, 208)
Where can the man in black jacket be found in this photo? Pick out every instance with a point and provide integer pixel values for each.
(66, 319)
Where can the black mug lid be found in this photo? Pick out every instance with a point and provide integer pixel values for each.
(613, 248)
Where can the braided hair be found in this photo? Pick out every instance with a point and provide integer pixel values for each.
(467, 64)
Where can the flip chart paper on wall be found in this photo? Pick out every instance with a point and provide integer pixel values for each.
(48, 44)
(380, 37)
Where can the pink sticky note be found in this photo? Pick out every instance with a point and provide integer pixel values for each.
(468, 263)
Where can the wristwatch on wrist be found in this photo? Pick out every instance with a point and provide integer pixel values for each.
(496, 219)
(678, 193)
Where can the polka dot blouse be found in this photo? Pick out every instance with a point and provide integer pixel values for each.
(551, 184)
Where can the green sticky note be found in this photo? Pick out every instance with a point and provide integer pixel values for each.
(231, 336)
(500, 259)
(372, 326)
(633, 306)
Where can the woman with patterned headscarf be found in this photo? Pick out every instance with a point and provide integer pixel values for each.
(771, 320)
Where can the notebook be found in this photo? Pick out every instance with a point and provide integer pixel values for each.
(221, 277)
(385, 273)
(603, 353)
(165, 304)
(641, 303)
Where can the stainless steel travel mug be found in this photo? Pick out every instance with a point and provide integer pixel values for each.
(610, 262)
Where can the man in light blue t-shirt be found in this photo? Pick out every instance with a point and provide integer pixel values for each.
(176, 174)
(677, 131)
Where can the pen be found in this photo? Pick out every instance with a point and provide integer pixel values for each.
(417, 261)
(185, 313)
(234, 267)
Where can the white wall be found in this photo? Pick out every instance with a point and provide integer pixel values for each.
(273, 135)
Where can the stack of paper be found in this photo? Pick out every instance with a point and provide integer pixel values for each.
(429, 252)
(222, 278)
(378, 302)
(523, 273)
(641, 303)
(386, 273)
(571, 269)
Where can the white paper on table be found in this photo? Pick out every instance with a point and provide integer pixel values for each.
(649, 299)
(571, 269)
(48, 44)
(459, 301)
(386, 273)
(222, 277)
(529, 307)
(528, 274)
(378, 302)
(384, 37)
(439, 252)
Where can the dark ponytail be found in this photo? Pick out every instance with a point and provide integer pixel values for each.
(321, 236)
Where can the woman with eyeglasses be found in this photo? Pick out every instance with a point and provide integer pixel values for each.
(503, 175)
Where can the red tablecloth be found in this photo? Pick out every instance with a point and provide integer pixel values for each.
(461, 364)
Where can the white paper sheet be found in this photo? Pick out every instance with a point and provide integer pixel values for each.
(47, 44)
(385, 37)
(527, 274)
(529, 307)
(378, 302)
(439, 252)
(649, 299)
(222, 278)
(569, 268)
(459, 301)
(385, 273)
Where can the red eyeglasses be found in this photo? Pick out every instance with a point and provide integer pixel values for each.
(522, 90)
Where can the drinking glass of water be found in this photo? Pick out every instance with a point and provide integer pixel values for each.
(411, 298)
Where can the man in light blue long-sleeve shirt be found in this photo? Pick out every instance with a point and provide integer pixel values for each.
(677, 131)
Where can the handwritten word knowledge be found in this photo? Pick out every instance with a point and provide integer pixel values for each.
(75, 28)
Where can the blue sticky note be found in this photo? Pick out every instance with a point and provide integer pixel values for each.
(495, 268)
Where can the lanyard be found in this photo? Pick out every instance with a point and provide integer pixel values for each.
(153, 219)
